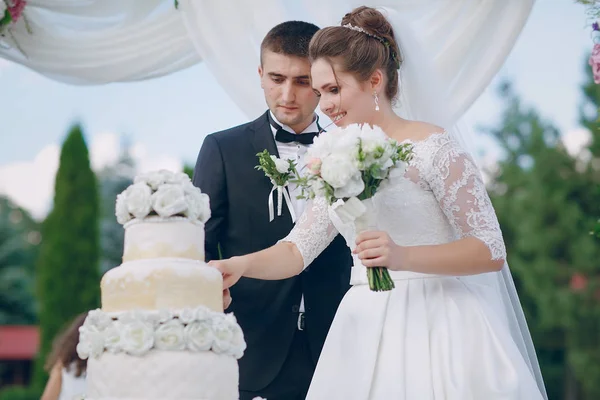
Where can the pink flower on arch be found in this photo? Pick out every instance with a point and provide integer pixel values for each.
(578, 282)
(595, 62)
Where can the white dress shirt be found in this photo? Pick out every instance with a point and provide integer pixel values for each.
(295, 151)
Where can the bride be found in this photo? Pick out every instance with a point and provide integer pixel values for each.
(447, 330)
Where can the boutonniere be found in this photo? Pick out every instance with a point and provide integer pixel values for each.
(280, 172)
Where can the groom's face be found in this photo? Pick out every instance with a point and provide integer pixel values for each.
(288, 91)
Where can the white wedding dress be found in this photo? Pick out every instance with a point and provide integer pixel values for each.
(433, 336)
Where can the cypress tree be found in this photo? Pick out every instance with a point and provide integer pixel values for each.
(68, 279)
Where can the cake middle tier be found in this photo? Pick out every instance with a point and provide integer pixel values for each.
(152, 284)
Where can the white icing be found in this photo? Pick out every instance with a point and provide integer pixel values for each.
(163, 375)
(158, 219)
(141, 269)
(164, 237)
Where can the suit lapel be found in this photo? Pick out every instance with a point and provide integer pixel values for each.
(263, 136)
(263, 139)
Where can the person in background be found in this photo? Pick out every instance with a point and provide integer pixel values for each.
(67, 371)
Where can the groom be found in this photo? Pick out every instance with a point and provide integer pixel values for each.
(284, 322)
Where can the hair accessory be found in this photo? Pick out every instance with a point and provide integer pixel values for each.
(382, 40)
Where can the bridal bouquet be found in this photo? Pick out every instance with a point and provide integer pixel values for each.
(347, 166)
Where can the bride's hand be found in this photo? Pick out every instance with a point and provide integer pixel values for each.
(226, 299)
(377, 249)
(232, 270)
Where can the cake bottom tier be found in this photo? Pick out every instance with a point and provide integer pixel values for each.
(168, 375)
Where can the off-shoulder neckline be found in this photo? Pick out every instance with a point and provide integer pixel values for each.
(429, 137)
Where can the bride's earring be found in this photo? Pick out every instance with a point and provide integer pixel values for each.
(376, 98)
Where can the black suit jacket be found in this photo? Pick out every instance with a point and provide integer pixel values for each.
(267, 311)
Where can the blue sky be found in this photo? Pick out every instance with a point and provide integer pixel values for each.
(167, 118)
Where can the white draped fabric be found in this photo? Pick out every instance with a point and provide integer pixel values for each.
(99, 41)
(452, 49)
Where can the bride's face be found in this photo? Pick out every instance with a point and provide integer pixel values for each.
(342, 97)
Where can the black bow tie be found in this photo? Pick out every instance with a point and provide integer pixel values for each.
(284, 136)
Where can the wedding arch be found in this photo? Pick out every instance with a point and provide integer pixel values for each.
(92, 42)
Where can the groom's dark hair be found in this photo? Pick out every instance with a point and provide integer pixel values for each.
(290, 38)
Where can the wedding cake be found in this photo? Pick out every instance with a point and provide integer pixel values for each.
(161, 332)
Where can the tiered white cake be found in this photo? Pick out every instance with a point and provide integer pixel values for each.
(161, 332)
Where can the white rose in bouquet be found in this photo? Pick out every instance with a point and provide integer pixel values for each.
(139, 200)
(137, 337)
(323, 145)
(199, 335)
(340, 171)
(2, 8)
(376, 148)
(347, 140)
(169, 336)
(169, 200)
(354, 187)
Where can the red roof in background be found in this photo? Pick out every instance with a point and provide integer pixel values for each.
(18, 342)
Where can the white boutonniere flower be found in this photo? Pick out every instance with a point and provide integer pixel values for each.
(281, 173)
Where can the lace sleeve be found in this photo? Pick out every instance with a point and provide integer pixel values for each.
(313, 231)
(457, 185)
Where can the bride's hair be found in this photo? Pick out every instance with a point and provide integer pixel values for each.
(64, 348)
(363, 43)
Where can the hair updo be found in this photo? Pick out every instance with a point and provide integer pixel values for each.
(361, 53)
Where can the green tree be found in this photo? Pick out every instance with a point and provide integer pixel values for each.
(67, 271)
(189, 170)
(19, 240)
(113, 180)
(545, 200)
(584, 338)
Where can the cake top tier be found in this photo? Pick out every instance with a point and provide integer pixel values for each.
(164, 194)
